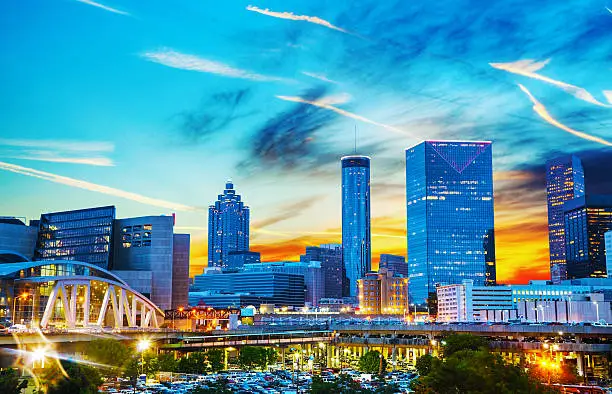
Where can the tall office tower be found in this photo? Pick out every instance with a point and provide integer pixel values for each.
(564, 181)
(143, 255)
(228, 227)
(180, 270)
(330, 257)
(394, 263)
(83, 235)
(449, 198)
(356, 236)
(587, 219)
(15, 236)
(608, 241)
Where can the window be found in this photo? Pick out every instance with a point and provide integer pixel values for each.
(136, 235)
(148, 227)
(126, 237)
(138, 228)
(146, 234)
(127, 244)
(126, 229)
(136, 244)
(146, 243)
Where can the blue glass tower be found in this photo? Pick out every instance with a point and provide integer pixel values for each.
(228, 227)
(449, 198)
(564, 182)
(356, 235)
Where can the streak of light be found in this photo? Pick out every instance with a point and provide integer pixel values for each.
(541, 110)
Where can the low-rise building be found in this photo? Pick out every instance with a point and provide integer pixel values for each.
(383, 292)
(569, 301)
(17, 237)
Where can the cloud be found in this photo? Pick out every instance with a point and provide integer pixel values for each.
(183, 61)
(285, 212)
(289, 139)
(320, 77)
(543, 113)
(292, 16)
(57, 151)
(104, 7)
(94, 187)
(528, 68)
(325, 105)
(609, 10)
(214, 114)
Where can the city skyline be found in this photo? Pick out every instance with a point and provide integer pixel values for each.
(153, 115)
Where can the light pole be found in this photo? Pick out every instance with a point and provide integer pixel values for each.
(596, 309)
(142, 346)
(414, 319)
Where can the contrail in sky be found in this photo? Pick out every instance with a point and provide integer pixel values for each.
(94, 187)
(104, 7)
(323, 104)
(528, 68)
(292, 16)
(183, 61)
(543, 113)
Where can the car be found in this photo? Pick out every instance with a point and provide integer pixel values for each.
(18, 328)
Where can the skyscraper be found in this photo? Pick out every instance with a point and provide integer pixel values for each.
(449, 193)
(228, 227)
(393, 263)
(330, 256)
(587, 219)
(564, 181)
(82, 235)
(180, 270)
(356, 236)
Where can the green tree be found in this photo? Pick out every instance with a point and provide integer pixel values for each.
(81, 380)
(424, 364)
(215, 359)
(194, 363)
(343, 384)
(270, 355)
(111, 352)
(250, 357)
(166, 362)
(10, 382)
(458, 342)
(476, 371)
(372, 362)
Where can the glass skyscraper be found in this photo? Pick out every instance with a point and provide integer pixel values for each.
(228, 227)
(84, 235)
(330, 256)
(356, 235)
(449, 193)
(564, 182)
(587, 219)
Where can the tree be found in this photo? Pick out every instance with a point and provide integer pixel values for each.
(166, 362)
(251, 356)
(215, 359)
(194, 363)
(10, 382)
(457, 342)
(81, 380)
(372, 362)
(424, 364)
(270, 355)
(476, 371)
(344, 384)
(111, 352)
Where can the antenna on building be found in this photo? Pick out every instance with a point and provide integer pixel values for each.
(355, 138)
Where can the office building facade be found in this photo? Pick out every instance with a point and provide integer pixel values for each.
(356, 231)
(608, 242)
(237, 259)
(393, 263)
(330, 257)
(383, 292)
(311, 271)
(450, 236)
(587, 219)
(264, 287)
(16, 236)
(228, 227)
(181, 246)
(146, 244)
(82, 235)
(564, 182)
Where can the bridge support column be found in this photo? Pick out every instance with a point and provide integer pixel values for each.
(393, 359)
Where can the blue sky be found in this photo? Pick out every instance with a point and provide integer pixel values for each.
(168, 99)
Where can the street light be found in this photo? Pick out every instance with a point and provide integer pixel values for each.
(142, 347)
(39, 355)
